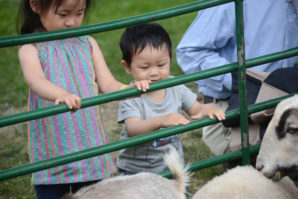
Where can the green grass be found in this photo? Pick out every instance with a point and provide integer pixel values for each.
(103, 10)
(14, 91)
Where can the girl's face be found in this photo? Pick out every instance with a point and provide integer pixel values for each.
(69, 14)
(151, 64)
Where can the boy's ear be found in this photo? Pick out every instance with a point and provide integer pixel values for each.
(35, 6)
(126, 66)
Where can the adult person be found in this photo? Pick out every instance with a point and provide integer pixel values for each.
(269, 26)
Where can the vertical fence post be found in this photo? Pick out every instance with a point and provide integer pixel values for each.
(242, 81)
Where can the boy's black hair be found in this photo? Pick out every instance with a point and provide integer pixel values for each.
(28, 21)
(136, 38)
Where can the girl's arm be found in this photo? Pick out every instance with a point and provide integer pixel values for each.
(136, 126)
(198, 111)
(106, 81)
(34, 77)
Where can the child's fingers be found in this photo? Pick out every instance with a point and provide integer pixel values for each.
(194, 117)
(78, 102)
(220, 115)
(63, 101)
(223, 115)
(71, 101)
(180, 119)
(147, 85)
(211, 115)
(198, 116)
(57, 101)
(138, 85)
(180, 122)
(75, 101)
(174, 119)
(143, 85)
(184, 121)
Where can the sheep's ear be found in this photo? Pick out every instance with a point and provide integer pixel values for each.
(286, 125)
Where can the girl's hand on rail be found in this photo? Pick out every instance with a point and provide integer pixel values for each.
(72, 101)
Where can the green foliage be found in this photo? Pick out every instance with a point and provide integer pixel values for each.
(13, 153)
(109, 41)
(14, 91)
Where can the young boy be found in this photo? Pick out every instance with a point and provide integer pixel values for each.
(146, 55)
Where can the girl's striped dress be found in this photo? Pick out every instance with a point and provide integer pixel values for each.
(68, 64)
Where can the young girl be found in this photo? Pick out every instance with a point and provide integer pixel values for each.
(65, 71)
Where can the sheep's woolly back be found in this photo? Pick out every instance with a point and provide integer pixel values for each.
(142, 185)
(178, 169)
(246, 183)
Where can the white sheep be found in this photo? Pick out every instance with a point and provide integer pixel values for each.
(278, 152)
(279, 149)
(245, 182)
(142, 185)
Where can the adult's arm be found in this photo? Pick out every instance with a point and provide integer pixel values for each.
(209, 37)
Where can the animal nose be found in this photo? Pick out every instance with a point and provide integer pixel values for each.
(259, 165)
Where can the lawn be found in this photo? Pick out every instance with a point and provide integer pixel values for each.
(14, 91)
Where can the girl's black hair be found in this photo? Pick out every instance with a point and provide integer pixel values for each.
(136, 38)
(28, 21)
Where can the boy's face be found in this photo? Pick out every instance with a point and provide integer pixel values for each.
(151, 64)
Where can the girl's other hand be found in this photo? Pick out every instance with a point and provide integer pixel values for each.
(72, 101)
(142, 85)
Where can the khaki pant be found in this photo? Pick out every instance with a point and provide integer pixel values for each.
(217, 137)
(220, 139)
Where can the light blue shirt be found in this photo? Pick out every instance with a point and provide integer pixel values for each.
(269, 26)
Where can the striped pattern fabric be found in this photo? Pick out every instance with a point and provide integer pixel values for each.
(68, 64)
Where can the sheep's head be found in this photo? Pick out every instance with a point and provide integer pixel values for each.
(278, 155)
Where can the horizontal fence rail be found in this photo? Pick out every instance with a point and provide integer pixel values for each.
(125, 22)
(209, 162)
(37, 166)
(110, 25)
(108, 97)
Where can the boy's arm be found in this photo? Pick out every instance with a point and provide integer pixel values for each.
(35, 78)
(136, 126)
(198, 111)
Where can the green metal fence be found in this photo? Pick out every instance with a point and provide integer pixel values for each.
(240, 66)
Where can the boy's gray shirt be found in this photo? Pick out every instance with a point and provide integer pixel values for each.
(148, 156)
